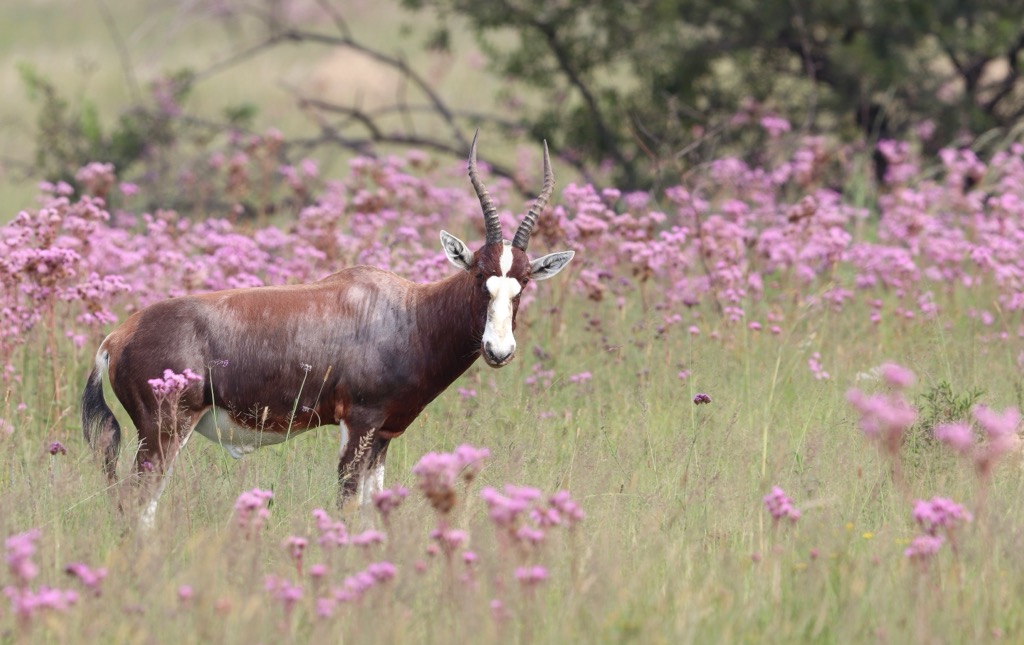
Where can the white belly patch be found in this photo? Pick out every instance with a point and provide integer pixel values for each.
(217, 426)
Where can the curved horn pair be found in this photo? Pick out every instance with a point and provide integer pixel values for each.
(522, 238)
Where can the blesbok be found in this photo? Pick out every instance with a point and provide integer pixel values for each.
(384, 346)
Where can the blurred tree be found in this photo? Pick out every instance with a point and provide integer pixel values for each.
(660, 81)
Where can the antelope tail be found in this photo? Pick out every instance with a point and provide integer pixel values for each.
(99, 426)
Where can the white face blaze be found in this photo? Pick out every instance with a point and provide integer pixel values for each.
(499, 344)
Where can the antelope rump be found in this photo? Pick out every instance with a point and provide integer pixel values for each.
(362, 349)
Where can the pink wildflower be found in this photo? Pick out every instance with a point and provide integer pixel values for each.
(437, 473)
(382, 571)
(897, 376)
(1000, 431)
(318, 571)
(91, 578)
(172, 383)
(389, 499)
(367, 538)
(332, 533)
(940, 513)
(531, 576)
(924, 547)
(814, 364)
(959, 436)
(57, 448)
(26, 602)
(530, 535)
(780, 506)
(296, 546)
(20, 549)
(283, 590)
(581, 378)
(883, 417)
(251, 509)
(448, 539)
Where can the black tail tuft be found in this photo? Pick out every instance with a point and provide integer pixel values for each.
(99, 426)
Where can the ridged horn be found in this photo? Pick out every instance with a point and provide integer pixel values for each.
(522, 238)
(490, 212)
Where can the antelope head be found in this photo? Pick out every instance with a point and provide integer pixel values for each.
(501, 269)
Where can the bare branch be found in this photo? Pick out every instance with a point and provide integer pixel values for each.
(122, 51)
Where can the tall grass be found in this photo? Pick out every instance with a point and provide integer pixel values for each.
(675, 545)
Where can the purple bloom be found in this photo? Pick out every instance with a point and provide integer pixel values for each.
(531, 576)
(940, 513)
(91, 578)
(389, 499)
(20, 549)
(780, 506)
(959, 436)
(897, 376)
(283, 590)
(814, 364)
(437, 473)
(997, 425)
(251, 509)
(884, 417)
(173, 384)
(57, 448)
(1000, 430)
(367, 538)
(318, 571)
(582, 377)
(382, 571)
(332, 532)
(924, 547)
(26, 602)
(448, 539)
(701, 399)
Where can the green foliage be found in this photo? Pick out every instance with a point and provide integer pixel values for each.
(940, 404)
(70, 136)
(937, 405)
(626, 82)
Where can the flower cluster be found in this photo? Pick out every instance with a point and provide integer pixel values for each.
(940, 514)
(333, 533)
(355, 587)
(387, 500)
(999, 430)
(437, 473)
(251, 510)
(885, 417)
(27, 602)
(780, 506)
(173, 384)
(935, 516)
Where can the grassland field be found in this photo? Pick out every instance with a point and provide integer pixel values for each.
(676, 546)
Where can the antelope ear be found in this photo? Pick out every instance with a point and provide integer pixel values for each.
(457, 251)
(549, 265)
